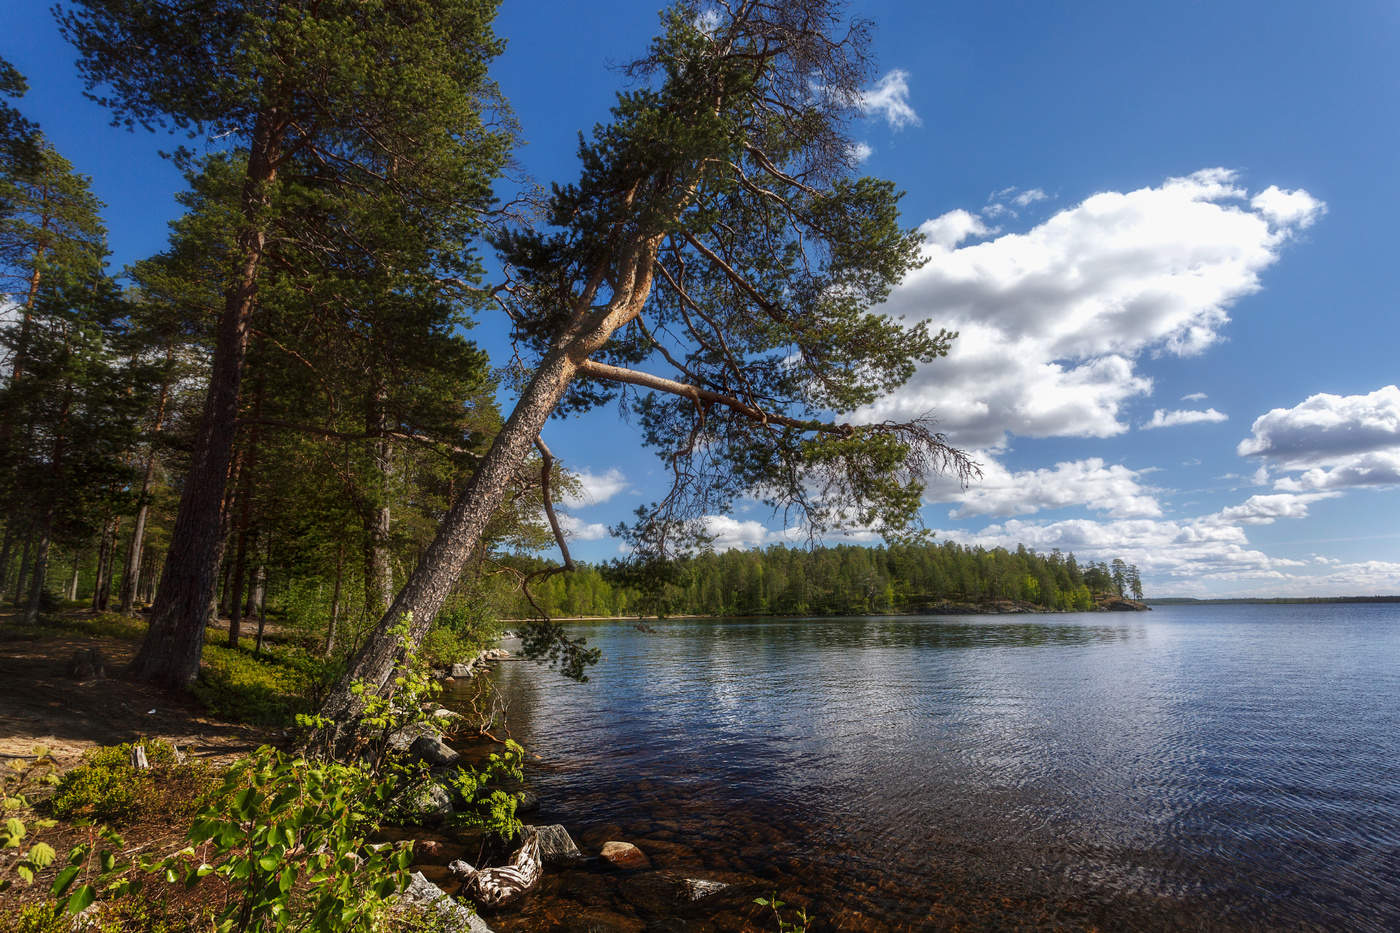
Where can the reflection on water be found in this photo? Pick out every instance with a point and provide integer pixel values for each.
(1231, 767)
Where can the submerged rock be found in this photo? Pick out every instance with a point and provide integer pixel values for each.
(454, 917)
(698, 888)
(625, 855)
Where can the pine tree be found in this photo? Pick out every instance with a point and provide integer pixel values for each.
(380, 95)
(715, 230)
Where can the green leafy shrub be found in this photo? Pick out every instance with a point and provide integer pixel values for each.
(480, 799)
(106, 788)
(43, 917)
(18, 826)
(290, 835)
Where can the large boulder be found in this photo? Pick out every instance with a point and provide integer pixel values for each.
(433, 900)
(433, 750)
(556, 845)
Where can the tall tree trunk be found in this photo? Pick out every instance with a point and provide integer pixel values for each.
(101, 560)
(235, 612)
(257, 600)
(131, 577)
(248, 462)
(329, 648)
(437, 571)
(379, 575)
(102, 595)
(23, 575)
(41, 570)
(174, 643)
(6, 544)
(71, 592)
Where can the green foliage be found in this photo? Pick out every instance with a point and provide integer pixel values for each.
(17, 829)
(269, 690)
(481, 802)
(799, 921)
(132, 913)
(291, 836)
(106, 788)
(43, 917)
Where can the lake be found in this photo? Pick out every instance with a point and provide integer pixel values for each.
(1216, 767)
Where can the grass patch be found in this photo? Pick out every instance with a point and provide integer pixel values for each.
(105, 788)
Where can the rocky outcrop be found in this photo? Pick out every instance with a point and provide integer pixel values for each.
(696, 889)
(477, 664)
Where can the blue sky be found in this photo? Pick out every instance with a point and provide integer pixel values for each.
(1163, 231)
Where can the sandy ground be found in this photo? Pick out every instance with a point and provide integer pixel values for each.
(41, 705)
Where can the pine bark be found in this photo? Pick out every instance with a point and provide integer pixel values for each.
(379, 576)
(174, 643)
(41, 570)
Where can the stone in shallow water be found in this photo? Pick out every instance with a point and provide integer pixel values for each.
(697, 888)
(625, 855)
(432, 899)
(556, 846)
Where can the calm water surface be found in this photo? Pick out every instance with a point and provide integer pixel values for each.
(1232, 767)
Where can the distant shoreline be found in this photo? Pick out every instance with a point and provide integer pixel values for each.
(999, 607)
(1269, 600)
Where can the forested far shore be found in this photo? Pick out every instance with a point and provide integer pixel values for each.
(839, 580)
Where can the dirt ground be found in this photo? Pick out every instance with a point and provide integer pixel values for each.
(41, 705)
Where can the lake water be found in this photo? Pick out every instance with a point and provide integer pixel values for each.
(1230, 767)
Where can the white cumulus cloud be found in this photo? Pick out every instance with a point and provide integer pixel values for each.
(1162, 418)
(1113, 489)
(1265, 509)
(1053, 320)
(1331, 441)
(1195, 397)
(728, 533)
(1296, 209)
(889, 98)
(594, 488)
(583, 531)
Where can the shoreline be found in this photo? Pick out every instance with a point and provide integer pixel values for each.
(1000, 607)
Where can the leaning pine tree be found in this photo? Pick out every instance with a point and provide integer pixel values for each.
(716, 233)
